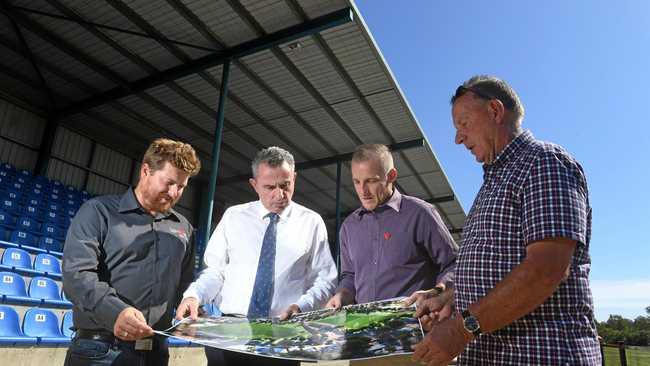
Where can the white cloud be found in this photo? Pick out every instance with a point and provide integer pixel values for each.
(628, 298)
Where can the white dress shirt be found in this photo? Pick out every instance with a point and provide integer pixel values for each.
(305, 273)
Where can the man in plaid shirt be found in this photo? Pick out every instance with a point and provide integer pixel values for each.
(522, 289)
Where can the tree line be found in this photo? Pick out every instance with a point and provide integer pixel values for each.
(632, 332)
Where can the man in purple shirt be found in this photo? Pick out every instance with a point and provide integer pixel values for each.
(393, 245)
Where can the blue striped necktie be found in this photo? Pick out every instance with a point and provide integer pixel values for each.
(260, 304)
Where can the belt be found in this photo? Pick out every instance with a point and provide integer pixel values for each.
(96, 335)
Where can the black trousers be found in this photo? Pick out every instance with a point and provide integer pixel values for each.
(218, 357)
(93, 352)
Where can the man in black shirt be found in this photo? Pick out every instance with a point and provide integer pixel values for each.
(127, 258)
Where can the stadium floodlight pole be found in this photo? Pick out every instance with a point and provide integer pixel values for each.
(216, 149)
(337, 248)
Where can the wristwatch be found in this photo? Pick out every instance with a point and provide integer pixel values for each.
(471, 323)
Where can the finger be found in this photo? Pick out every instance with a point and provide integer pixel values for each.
(181, 311)
(194, 310)
(420, 349)
(422, 309)
(410, 300)
(426, 322)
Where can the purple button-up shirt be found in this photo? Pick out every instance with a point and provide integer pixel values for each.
(400, 247)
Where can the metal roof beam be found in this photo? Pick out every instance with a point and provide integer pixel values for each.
(329, 160)
(217, 58)
(108, 27)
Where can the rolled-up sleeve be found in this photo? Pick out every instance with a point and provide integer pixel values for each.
(81, 267)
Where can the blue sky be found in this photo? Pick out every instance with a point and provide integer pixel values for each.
(582, 70)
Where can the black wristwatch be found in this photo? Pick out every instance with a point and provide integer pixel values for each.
(471, 323)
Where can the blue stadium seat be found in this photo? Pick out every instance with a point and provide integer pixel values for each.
(71, 212)
(47, 263)
(53, 217)
(28, 223)
(43, 324)
(7, 220)
(41, 186)
(13, 289)
(53, 231)
(50, 244)
(7, 167)
(9, 205)
(57, 191)
(35, 192)
(66, 325)
(16, 186)
(12, 194)
(10, 332)
(21, 237)
(24, 180)
(25, 174)
(5, 235)
(54, 197)
(5, 180)
(33, 201)
(46, 290)
(32, 211)
(16, 258)
(54, 206)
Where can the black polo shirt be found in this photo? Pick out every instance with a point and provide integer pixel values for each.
(117, 255)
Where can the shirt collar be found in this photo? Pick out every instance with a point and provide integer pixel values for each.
(510, 151)
(129, 202)
(394, 202)
(262, 212)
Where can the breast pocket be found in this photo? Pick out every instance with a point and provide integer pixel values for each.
(401, 248)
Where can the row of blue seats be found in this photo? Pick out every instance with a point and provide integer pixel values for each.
(27, 224)
(18, 260)
(18, 238)
(51, 202)
(10, 174)
(41, 291)
(37, 190)
(42, 327)
(38, 213)
(39, 326)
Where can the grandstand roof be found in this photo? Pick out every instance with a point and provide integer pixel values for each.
(111, 70)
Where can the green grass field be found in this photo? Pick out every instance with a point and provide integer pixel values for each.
(636, 356)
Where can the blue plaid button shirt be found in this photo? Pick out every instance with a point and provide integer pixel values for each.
(533, 191)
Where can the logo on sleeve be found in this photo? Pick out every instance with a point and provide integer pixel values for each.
(180, 233)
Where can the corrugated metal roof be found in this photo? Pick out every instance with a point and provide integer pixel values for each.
(318, 96)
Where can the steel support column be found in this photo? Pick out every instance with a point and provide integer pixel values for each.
(45, 149)
(337, 243)
(206, 230)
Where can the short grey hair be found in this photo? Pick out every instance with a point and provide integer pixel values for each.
(272, 156)
(378, 152)
(490, 87)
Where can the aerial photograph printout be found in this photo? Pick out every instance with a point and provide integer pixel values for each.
(360, 331)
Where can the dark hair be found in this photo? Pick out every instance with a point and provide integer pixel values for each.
(490, 87)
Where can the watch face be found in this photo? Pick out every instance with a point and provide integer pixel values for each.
(471, 324)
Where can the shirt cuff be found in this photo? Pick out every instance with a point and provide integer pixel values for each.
(304, 304)
(190, 292)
